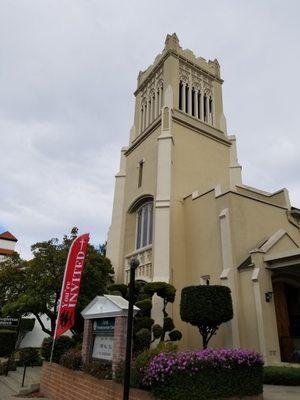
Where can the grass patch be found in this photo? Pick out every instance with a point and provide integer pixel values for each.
(286, 376)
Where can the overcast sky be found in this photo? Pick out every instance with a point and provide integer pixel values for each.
(68, 69)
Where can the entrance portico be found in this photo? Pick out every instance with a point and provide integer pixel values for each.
(285, 268)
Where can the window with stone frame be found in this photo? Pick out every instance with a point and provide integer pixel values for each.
(144, 225)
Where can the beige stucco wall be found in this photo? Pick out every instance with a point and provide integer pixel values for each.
(255, 221)
(251, 221)
(199, 162)
(147, 150)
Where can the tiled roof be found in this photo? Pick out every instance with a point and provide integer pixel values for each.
(6, 252)
(8, 236)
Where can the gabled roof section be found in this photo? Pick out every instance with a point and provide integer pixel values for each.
(8, 236)
(274, 239)
(266, 245)
(107, 306)
(247, 263)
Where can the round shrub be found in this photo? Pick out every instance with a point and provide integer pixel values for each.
(207, 374)
(144, 305)
(62, 344)
(142, 339)
(175, 335)
(71, 359)
(157, 331)
(7, 342)
(168, 324)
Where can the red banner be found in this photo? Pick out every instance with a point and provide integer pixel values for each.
(71, 285)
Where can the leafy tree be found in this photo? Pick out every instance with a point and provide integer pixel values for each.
(206, 307)
(34, 286)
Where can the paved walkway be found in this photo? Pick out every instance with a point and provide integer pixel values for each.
(281, 392)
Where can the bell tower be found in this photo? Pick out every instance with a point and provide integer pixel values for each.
(178, 145)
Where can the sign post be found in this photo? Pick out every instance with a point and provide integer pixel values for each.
(134, 263)
(105, 330)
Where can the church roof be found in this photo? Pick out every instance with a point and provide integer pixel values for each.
(8, 236)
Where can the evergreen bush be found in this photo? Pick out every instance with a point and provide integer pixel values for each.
(100, 370)
(287, 376)
(71, 359)
(7, 342)
(62, 344)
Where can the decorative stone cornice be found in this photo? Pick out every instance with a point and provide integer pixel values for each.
(210, 69)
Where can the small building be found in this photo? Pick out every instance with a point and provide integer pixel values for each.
(181, 207)
(7, 244)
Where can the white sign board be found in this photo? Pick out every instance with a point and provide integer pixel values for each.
(103, 347)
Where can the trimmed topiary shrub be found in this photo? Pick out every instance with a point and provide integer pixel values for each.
(175, 335)
(142, 339)
(164, 290)
(118, 287)
(72, 359)
(100, 370)
(62, 344)
(7, 342)
(206, 374)
(29, 356)
(206, 307)
(144, 305)
(286, 376)
(143, 322)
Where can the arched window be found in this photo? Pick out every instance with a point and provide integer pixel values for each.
(144, 225)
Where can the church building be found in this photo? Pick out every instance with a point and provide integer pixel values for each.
(181, 208)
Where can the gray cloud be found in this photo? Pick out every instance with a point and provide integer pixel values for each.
(68, 70)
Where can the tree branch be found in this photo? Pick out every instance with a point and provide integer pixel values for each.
(44, 329)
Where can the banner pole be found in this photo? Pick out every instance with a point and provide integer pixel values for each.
(58, 311)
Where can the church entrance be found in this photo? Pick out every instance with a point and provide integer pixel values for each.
(286, 289)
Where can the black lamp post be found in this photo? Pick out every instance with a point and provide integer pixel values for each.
(134, 263)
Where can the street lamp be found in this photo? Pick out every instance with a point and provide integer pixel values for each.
(134, 263)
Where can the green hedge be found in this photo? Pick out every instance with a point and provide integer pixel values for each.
(286, 376)
(7, 342)
(72, 359)
(212, 383)
(207, 374)
(62, 345)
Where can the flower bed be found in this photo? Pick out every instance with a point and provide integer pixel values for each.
(206, 374)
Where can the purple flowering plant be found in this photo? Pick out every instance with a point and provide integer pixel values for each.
(164, 365)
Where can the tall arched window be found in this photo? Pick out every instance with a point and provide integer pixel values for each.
(144, 225)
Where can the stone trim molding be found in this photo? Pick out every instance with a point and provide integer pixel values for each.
(228, 276)
(259, 312)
